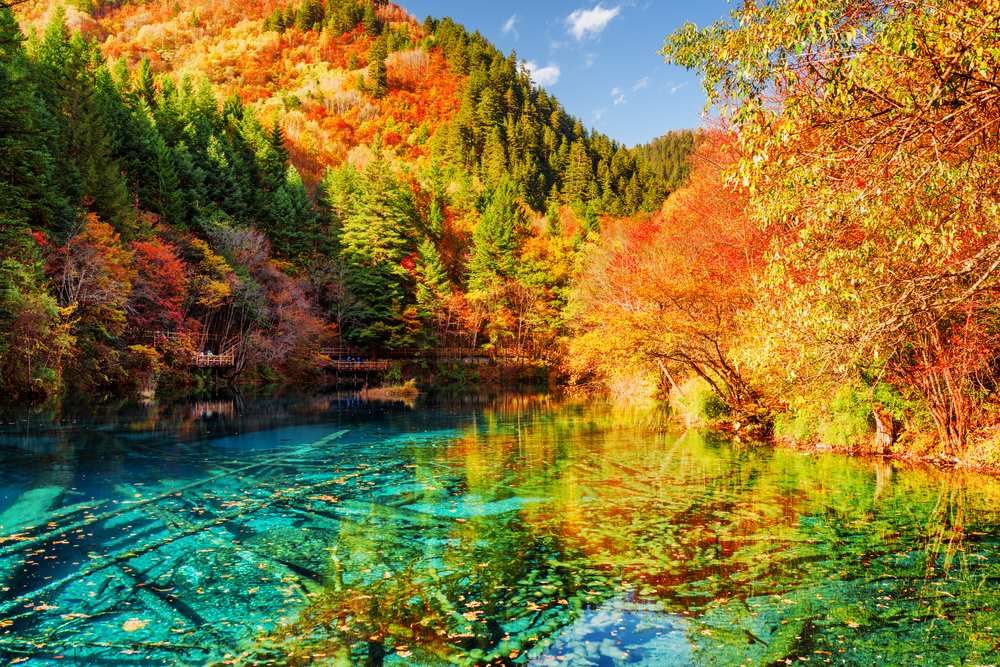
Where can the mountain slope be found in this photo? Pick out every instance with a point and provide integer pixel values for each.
(280, 178)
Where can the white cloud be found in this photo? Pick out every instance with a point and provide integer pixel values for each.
(589, 60)
(671, 87)
(543, 76)
(641, 84)
(590, 22)
(598, 113)
(621, 96)
(509, 26)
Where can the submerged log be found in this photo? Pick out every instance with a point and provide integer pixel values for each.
(128, 554)
(155, 603)
(128, 506)
(176, 523)
(39, 522)
(47, 492)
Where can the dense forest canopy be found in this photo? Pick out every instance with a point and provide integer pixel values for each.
(668, 155)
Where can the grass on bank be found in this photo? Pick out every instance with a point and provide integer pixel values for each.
(395, 392)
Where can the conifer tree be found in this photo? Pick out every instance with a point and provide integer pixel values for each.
(553, 223)
(497, 237)
(378, 79)
(433, 285)
(169, 202)
(310, 14)
(273, 156)
(374, 240)
(291, 225)
(276, 21)
(145, 85)
(590, 222)
(435, 221)
(24, 164)
(370, 21)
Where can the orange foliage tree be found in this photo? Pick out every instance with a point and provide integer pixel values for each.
(668, 293)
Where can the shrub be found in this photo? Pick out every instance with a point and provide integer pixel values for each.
(695, 401)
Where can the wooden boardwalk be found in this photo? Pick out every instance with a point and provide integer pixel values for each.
(412, 352)
(343, 365)
(336, 358)
(214, 360)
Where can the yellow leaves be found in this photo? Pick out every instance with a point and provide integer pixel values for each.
(214, 293)
(132, 625)
(212, 263)
(66, 313)
(211, 284)
(145, 351)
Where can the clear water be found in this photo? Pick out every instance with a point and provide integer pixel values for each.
(478, 528)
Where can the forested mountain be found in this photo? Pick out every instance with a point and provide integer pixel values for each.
(668, 156)
(279, 177)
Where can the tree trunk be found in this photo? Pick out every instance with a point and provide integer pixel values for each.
(885, 429)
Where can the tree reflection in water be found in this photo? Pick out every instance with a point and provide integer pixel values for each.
(480, 529)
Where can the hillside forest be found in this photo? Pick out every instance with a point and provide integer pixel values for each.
(281, 178)
(820, 261)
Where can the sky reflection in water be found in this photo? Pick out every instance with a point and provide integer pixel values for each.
(472, 528)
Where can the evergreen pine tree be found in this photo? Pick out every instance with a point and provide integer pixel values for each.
(276, 21)
(310, 13)
(494, 161)
(169, 201)
(435, 221)
(433, 285)
(145, 85)
(590, 222)
(273, 156)
(378, 79)
(553, 223)
(497, 237)
(374, 240)
(25, 196)
(78, 131)
(370, 21)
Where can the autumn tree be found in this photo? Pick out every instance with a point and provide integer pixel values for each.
(156, 299)
(671, 293)
(868, 134)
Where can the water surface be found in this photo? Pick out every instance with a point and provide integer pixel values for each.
(472, 528)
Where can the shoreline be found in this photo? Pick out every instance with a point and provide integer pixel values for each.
(910, 459)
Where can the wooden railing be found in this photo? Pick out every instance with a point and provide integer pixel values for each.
(410, 352)
(341, 365)
(208, 360)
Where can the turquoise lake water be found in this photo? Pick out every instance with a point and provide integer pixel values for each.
(479, 527)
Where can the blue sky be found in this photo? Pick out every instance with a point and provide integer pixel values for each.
(598, 58)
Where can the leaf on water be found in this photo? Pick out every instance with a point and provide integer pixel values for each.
(134, 624)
